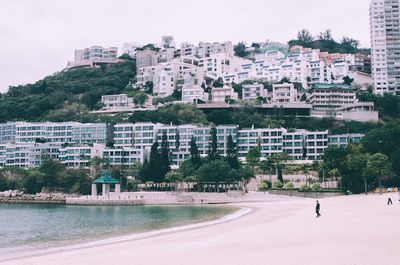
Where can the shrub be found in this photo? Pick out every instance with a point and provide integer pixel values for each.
(304, 188)
(264, 186)
(289, 186)
(316, 187)
(277, 184)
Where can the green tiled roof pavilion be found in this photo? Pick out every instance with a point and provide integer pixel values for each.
(106, 178)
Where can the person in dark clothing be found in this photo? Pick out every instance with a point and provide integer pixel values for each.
(317, 208)
(389, 199)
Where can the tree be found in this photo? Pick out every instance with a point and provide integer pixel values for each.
(214, 171)
(334, 157)
(194, 154)
(213, 153)
(304, 37)
(32, 183)
(145, 172)
(280, 161)
(378, 167)
(350, 45)
(51, 170)
(240, 50)
(96, 164)
(133, 170)
(267, 165)
(174, 177)
(140, 98)
(155, 168)
(356, 162)
(253, 157)
(177, 140)
(326, 35)
(148, 87)
(347, 80)
(165, 161)
(231, 153)
(177, 94)
(218, 83)
(167, 41)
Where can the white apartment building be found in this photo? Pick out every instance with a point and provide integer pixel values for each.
(343, 140)
(284, 93)
(385, 45)
(294, 144)
(270, 141)
(221, 64)
(251, 92)
(179, 138)
(79, 156)
(7, 132)
(315, 144)
(220, 94)
(117, 102)
(167, 77)
(130, 48)
(94, 56)
(44, 131)
(340, 101)
(92, 133)
(132, 143)
(320, 72)
(146, 58)
(340, 69)
(144, 135)
(328, 98)
(192, 90)
(126, 156)
(27, 154)
(205, 49)
(123, 135)
(202, 136)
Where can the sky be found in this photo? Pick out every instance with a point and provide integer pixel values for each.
(38, 37)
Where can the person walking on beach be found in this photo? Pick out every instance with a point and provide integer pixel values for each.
(317, 208)
(389, 199)
(399, 193)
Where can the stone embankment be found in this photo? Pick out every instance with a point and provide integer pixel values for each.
(15, 196)
(172, 198)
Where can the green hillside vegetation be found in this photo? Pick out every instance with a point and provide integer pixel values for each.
(67, 95)
(325, 42)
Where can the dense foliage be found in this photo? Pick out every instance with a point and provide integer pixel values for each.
(65, 95)
(51, 175)
(206, 173)
(367, 165)
(326, 43)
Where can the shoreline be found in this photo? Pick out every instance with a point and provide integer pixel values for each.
(239, 212)
(282, 233)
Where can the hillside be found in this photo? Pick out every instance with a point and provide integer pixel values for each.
(326, 43)
(66, 94)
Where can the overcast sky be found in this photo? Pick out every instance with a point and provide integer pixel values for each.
(38, 37)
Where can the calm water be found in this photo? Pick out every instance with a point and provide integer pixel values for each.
(41, 226)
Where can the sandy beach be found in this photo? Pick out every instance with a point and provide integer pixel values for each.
(352, 230)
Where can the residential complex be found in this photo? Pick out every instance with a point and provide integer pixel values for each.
(76, 144)
(94, 56)
(385, 45)
(340, 101)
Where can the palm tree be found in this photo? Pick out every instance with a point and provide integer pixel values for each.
(267, 165)
(96, 165)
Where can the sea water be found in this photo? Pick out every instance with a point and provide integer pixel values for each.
(27, 226)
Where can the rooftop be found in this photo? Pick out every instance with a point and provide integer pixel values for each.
(105, 178)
